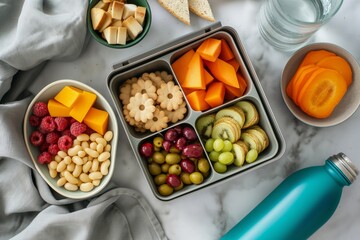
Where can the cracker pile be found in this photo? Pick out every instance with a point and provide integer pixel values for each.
(152, 101)
(181, 9)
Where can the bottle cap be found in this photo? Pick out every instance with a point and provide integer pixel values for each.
(345, 165)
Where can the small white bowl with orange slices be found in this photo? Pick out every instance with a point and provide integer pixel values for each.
(320, 84)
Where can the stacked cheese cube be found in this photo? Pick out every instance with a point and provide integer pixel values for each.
(78, 104)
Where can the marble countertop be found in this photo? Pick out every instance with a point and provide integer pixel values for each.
(210, 212)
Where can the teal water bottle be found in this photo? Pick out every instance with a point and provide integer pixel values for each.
(300, 205)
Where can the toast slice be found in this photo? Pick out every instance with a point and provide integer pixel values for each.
(98, 18)
(178, 8)
(202, 9)
(110, 34)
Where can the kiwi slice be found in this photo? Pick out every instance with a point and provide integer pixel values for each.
(251, 113)
(204, 125)
(234, 112)
(234, 124)
(252, 141)
(225, 130)
(240, 149)
(260, 134)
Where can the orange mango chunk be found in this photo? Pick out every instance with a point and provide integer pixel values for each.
(82, 105)
(215, 94)
(208, 77)
(234, 63)
(232, 92)
(194, 78)
(57, 109)
(68, 96)
(97, 120)
(223, 72)
(180, 66)
(226, 54)
(197, 100)
(210, 49)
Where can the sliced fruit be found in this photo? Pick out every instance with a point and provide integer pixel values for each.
(251, 114)
(233, 62)
(315, 56)
(197, 100)
(223, 72)
(263, 133)
(208, 77)
(226, 54)
(338, 64)
(252, 141)
(210, 49)
(263, 139)
(290, 87)
(232, 92)
(194, 78)
(240, 150)
(234, 112)
(226, 128)
(180, 66)
(301, 80)
(204, 125)
(215, 94)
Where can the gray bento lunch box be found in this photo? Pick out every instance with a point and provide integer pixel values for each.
(160, 59)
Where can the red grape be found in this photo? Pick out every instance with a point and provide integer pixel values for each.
(189, 133)
(180, 143)
(187, 165)
(173, 180)
(171, 135)
(146, 149)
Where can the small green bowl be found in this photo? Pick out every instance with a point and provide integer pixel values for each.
(146, 26)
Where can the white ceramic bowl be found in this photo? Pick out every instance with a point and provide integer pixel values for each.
(348, 104)
(45, 94)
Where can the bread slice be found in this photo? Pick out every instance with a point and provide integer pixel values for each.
(98, 18)
(202, 9)
(133, 27)
(116, 23)
(102, 5)
(107, 22)
(129, 10)
(110, 34)
(121, 35)
(178, 8)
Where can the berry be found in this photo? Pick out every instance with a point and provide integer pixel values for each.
(53, 149)
(36, 138)
(89, 131)
(71, 120)
(166, 145)
(171, 135)
(40, 109)
(66, 132)
(44, 158)
(52, 137)
(61, 123)
(34, 120)
(47, 124)
(65, 142)
(44, 147)
(77, 128)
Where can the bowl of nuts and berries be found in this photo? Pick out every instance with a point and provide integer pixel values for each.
(69, 131)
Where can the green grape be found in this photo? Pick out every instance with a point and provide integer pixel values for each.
(214, 156)
(219, 167)
(227, 146)
(218, 144)
(251, 156)
(226, 158)
(209, 145)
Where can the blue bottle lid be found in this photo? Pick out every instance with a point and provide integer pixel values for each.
(345, 165)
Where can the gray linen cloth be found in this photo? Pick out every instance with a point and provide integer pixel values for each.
(31, 32)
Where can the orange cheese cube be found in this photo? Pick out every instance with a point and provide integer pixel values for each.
(68, 96)
(97, 120)
(82, 105)
(57, 109)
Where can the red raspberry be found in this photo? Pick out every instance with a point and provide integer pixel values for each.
(47, 124)
(89, 131)
(61, 123)
(53, 149)
(36, 138)
(40, 109)
(52, 137)
(71, 120)
(44, 147)
(44, 158)
(77, 128)
(65, 142)
(67, 132)
(34, 120)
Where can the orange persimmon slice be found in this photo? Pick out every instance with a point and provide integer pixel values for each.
(289, 87)
(322, 92)
(301, 80)
(315, 56)
(339, 64)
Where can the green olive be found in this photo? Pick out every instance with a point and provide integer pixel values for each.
(175, 169)
(172, 158)
(158, 141)
(154, 169)
(165, 190)
(165, 167)
(173, 149)
(157, 149)
(158, 157)
(185, 178)
(160, 179)
(203, 165)
(196, 178)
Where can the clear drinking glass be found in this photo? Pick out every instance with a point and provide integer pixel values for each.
(288, 24)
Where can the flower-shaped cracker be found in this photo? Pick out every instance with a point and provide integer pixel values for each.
(144, 86)
(141, 107)
(158, 122)
(169, 96)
